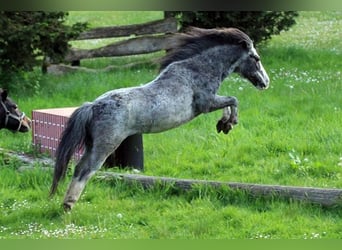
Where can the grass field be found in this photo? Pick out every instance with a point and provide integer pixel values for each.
(288, 135)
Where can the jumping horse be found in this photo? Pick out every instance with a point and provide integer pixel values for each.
(190, 75)
(11, 117)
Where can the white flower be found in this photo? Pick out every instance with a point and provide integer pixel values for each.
(136, 171)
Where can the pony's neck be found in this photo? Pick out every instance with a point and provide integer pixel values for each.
(218, 62)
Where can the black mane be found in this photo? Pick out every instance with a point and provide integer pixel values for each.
(196, 40)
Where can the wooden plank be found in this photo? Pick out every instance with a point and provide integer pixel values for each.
(326, 197)
(167, 25)
(134, 46)
(59, 69)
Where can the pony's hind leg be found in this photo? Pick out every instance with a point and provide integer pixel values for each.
(228, 120)
(90, 162)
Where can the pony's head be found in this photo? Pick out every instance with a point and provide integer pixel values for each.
(250, 67)
(10, 116)
(196, 40)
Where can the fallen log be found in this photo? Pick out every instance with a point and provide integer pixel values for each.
(327, 197)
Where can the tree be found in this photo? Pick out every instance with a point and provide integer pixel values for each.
(27, 36)
(259, 25)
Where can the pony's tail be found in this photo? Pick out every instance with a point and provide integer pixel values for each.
(75, 135)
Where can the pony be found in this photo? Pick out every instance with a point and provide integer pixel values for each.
(190, 75)
(11, 117)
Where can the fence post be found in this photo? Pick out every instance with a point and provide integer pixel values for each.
(129, 154)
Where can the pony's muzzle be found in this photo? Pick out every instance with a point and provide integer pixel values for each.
(264, 81)
(263, 86)
(26, 124)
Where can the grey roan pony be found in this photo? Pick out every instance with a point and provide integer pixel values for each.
(190, 76)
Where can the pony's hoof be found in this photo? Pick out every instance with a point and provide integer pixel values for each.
(225, 127)
(67, 207)
(219, 126)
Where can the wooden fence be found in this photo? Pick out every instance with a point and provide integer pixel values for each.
(147, 38)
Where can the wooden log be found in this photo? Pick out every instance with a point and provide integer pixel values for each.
(60, 69)
(167, 25)
(134, 46)
(326, 197)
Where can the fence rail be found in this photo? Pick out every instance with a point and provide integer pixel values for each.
(133, 46)
(154, 27)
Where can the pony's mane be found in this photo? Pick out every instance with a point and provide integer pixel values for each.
(196, 40)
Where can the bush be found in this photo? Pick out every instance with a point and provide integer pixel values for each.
(27, 36)
(259, 25)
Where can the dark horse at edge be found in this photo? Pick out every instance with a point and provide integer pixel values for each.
(190, 76)
(11, 117)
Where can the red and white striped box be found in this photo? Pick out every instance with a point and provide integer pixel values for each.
(47, 127)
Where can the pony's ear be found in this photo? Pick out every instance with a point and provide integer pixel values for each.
(4, 95)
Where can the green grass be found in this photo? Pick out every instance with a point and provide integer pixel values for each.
(289, 134)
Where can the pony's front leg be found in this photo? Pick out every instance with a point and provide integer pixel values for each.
(230, 113)
(228, 120)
